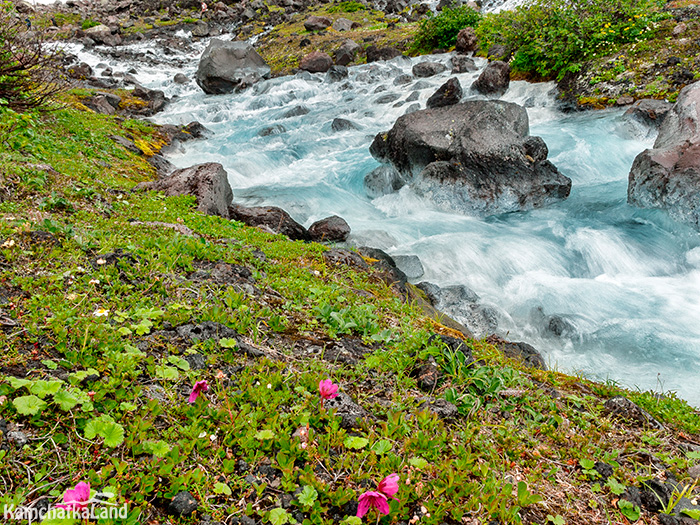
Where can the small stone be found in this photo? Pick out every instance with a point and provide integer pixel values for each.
(341, 124)
(694, 471)
(183, 504)
(624, 100)
(18, 438)
(179, 78)
(448, 94)
(317, 23)
(440, 407)
(679, 29)
(428, 69)
(316, 62)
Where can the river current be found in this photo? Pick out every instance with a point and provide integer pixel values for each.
(627, 281)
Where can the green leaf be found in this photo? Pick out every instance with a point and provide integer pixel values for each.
(29, 405)
(126, 406)
(142, 327)
(587, 464)
(352, 520)
(222, 488)
(279, 517)
(124, 331)
(179, 362)
(18, 383)
(616, 487)
(226, 342)
(265, 434)
(381, 447)
(169, 373)
(51, 365)
(43, 388)
(629, 509)
(556, 520)
(693, 513)
(356, 442)
(158, 448)
(92, 428)
(308, 496)
(418, 462)
(65, 400)
(113, 433)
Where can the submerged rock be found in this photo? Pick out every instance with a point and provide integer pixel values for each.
(668, 175)
(475, 158)
(428, 69)
(230, 66)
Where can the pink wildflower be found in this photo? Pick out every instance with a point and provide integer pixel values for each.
(327, 389)
(389, 486)
(372, 500)
(76, 498)
(199, 386)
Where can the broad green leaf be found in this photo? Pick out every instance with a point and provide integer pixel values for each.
(356, 442)
(113, 433)
(381, 447)
(587, 464)
(124, 331)
(352, 520)
(51, 365)
(17, 383)
(418, 462)
(308, 496)
(265, 434)
(65, 400)
(179, 362)
(616, 487)
(158, 448)
(126, 406)
(279, 517)
(222, 488)
(226, 342)
(29, 405)
(169, 373)
(43, 388)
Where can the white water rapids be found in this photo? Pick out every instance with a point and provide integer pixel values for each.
(628, 280)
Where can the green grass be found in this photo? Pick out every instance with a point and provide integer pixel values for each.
(103, 398)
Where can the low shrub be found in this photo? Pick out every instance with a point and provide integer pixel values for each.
(347, 7)
(549, 38)
(440, 31)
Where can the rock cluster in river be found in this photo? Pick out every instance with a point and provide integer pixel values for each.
(668, 175)
(474, 158)
(230, 66)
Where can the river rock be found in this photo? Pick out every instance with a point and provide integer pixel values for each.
(448, 94)
(342, 24)
(317, 23)
(230, 66)
(316, 62)
(208, 182)
(668, 175)
(180, 78)
(375, 54)
(524, 353)
(494, 79)
(346, 52)
(428, 69)
(475, 157)
(330, 229)
(101, 34)
(462, 64)
(341, 124)
(466, 40)
(648, 111)
(410, 265)
(275, 219)
(337, 73)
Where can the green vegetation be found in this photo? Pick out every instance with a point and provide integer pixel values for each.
(549, 39)
(440, 31)
(97, 371)
(87, 24)
(347, 7)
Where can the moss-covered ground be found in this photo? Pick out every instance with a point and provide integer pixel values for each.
(113, 304)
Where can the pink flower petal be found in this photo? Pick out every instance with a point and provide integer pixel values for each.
(327, 389)
(374, 500)
(363, 505)
(382, 505)
(389, 485)
(199, 386)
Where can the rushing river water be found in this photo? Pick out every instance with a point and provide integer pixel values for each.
(627, 281)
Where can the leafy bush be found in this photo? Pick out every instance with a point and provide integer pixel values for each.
(347, 7)
(29, 75)
(440, 32)
(87, 24)
(550, 38)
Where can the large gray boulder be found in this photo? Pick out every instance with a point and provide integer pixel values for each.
(230, 66)
(475, 158)
(208, 182)
(668, 175)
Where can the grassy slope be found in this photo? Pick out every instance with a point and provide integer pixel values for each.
(126, 372)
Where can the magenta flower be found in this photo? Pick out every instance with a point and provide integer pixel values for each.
(389, 486)
(372, 500)
(199, 386)
(76, 498)
(327, 389)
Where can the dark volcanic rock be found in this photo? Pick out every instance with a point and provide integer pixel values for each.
(375, 53)
(475, 158)
(466, 40)
(317, 23)
(448, 94)
(337, 257)
(350, 412)
(462, 304)
(427, 374)
(341, 124)
(330, 229)
(649, 112)
(346, 52)
(494, 79)
(316, 62)
(275, 219)
(462, 64)
(428, 69)
(230, 66)
(337, 73)
(208, 182)
(296, 111)
(622, 407)
(523, 352)
(668, 176)
(440, 407)
(183, 504)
